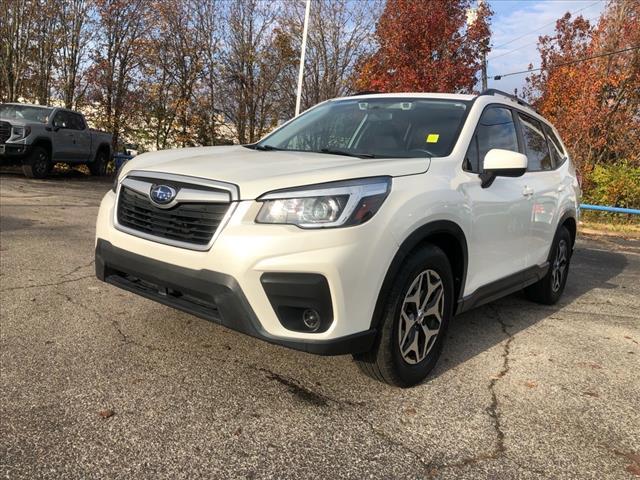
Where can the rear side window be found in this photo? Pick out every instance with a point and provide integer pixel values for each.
(496, 129)
(558, 155)
(535, 144)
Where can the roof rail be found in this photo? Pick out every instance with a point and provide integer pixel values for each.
(493, 91)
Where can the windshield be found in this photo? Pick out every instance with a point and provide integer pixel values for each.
(25, 112)
(374, 127)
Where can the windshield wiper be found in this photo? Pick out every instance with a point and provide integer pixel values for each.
(335, 151)
(267, 148)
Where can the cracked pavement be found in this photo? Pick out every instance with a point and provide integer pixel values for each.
(521, 390)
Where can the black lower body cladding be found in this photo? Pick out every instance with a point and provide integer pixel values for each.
(207, 294)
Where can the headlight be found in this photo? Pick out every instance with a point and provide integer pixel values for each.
(337, 204)
(20, 132)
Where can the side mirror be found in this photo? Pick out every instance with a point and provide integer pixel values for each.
(502, 163)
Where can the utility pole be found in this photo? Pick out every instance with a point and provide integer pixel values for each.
(472, 16)
(302, 53)
(484, 71)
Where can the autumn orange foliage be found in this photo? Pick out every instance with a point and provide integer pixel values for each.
(594, 104)
(427, 46)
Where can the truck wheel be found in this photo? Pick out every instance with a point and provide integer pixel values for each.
(98, 167)
(549, 289)
(37, 164)
(416, 317)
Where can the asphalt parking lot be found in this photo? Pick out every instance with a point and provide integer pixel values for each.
(99, 383)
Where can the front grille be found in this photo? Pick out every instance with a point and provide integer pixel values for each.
(5, 131)
(193, 223)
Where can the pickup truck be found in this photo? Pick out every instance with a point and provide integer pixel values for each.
(39, 136)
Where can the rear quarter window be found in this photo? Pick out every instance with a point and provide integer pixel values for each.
(558, 155)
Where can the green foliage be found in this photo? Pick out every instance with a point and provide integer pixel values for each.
(614, 185)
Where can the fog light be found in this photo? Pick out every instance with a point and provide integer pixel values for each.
(311, 319)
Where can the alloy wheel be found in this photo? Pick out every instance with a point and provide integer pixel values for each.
(41, 164)
(421, 317)
(559, 266)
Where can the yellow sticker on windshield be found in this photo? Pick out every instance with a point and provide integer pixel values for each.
(433, 138)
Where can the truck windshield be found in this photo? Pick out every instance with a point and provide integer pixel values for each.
(374, 127)
(25, 112)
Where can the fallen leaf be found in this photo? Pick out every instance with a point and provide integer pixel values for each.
(595, 366)
(634, 469)
(106, 413)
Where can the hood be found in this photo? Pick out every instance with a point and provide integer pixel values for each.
(256, 172)
(18, 122)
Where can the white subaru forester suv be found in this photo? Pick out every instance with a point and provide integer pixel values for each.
(359, 227)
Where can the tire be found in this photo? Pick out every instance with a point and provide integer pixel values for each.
(37, 164)
(98, 167)
(410, 364)
(549, 289)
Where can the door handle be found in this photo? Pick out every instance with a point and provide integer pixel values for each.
(527, 191)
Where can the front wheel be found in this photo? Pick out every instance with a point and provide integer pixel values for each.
(415, 321)
(98, 167)
(549, 289)
(37, 164)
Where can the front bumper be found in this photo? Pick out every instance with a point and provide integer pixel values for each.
(207, 294)
(11, 151)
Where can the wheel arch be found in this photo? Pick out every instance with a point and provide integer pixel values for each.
(45, 143)
(103, 147)
(568, 220)
(446, 235)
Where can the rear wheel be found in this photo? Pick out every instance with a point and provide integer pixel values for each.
(98, 167)
(415, 321)
(549, 289)
(37, 164)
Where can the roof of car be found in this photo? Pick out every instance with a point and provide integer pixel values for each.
(443, 96)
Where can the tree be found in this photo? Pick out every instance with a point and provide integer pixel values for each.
(340, 34)
(250, 68)
(595, 104)
(177, 51)
(427, 46)
(73, 36)
(42, 57)
(121, 50)
(16, 32)
(210, 33)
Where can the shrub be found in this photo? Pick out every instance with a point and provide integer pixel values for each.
(614, 186)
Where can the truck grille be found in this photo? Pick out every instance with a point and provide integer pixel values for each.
(5, 131)
(193, 223)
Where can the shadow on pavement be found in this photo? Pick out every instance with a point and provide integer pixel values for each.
(590, 269)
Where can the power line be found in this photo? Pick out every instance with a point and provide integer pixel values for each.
(544, 26)
(498, 77)
(523, 46)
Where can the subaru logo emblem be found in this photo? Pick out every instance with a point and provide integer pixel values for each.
(162, 194)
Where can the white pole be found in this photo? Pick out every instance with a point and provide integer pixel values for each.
(304, 48)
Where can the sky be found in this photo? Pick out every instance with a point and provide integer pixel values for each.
(516, 26)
